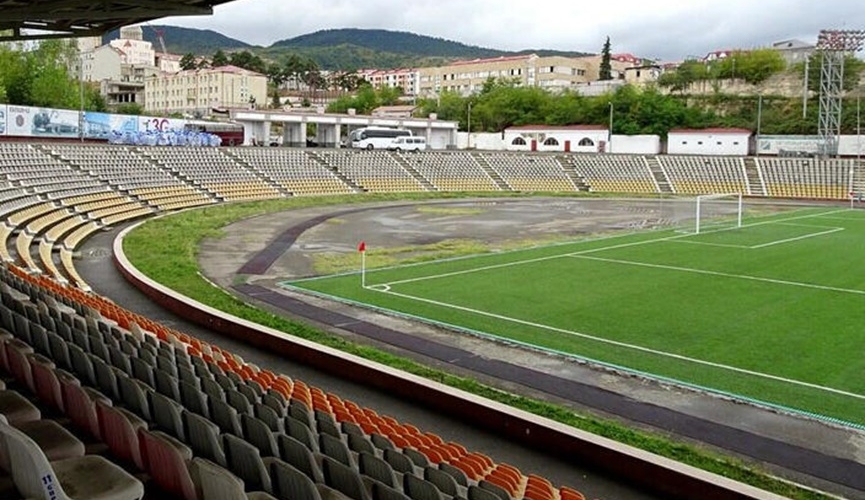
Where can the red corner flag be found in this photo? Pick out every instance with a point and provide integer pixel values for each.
(361, 247)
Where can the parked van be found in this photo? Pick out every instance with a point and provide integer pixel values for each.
(408, 143)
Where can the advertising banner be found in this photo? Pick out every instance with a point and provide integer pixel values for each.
(787, 144)
(19, 120)
(27, 121)
(55, 122)
(156, 124)
(102, 125)
(2, 119)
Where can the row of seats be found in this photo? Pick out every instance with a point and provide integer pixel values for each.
(44, 459)
(615, 173)
(451, 171)
(703, 175)
(305, 173)
(375, 171)
(263, 427)
(530, 173)
(807, 177)
(293, 170)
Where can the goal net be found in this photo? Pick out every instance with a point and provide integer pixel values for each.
(709, 212)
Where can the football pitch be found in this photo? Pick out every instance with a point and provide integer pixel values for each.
(772, 311)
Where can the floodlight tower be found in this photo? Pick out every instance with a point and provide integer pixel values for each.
(833, 46)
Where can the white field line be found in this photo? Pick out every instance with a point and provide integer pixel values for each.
(591, 250)
(626, 345)
(849, 219)
(706, 243)
(771, 243)
(811, 226)
(725, 275)
(798, 238)
(531, 261)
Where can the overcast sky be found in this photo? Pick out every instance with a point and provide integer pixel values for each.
(668, 30)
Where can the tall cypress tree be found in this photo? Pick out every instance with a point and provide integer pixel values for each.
(606, 70)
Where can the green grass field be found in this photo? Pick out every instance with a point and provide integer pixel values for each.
(773, 311)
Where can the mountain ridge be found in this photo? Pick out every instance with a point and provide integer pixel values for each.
(336, 49)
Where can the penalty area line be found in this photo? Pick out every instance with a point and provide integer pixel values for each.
(658, 239)
(798, 238)
(773, 281)
(625, 345)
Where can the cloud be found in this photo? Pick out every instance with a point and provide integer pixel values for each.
(664, 29)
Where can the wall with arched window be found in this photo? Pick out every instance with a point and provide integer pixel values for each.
(518, 143)
(579, 139)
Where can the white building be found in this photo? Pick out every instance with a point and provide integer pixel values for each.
(119, 81)
(122, 66)
(794, 51)
(131, 42)
(101, 63)
(331, 129)
(554, 73)
(709, 141)
(643, 75)
(168, 63)
(202, 90)
(567, 138)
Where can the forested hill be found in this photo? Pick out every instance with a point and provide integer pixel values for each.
(399, 42)
(402, 42)
(334, 49)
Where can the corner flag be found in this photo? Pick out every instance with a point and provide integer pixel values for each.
(361, 247)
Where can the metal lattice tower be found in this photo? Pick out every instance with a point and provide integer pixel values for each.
(834, 46)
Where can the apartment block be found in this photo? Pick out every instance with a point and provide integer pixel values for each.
(201, 90)
(553, 73)
(406, 79)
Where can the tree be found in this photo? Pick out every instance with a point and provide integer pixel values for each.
(188, 62)
(295, 67)
(606, 70)
(51, 85)
(569, 108)
(753, 66)
(276, 74)
(247, 60)
(313, 79)
(366, 99)
(345, 81)
(39, 76)
(506, 104)
(219, 59)
(682, 77)
(93, 99)
(130, 108)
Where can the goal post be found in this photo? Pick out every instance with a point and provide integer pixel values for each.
(708, 212)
